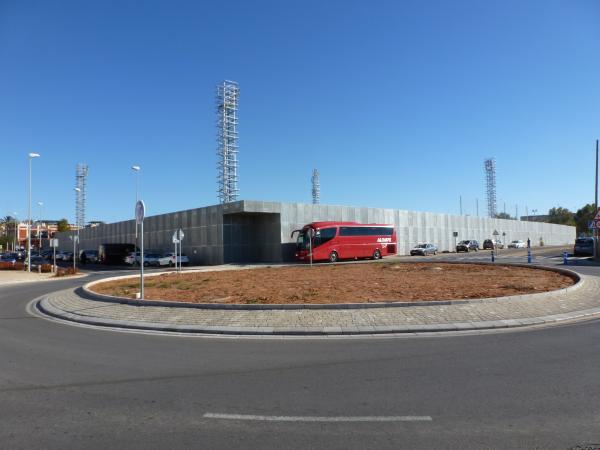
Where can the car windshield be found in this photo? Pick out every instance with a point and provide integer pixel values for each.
(421, 246)
(516, 242)
(464, 242)
(584, 241)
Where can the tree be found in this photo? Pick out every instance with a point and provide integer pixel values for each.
(503, 215)
(561, 216)
(583, 217)
(63, 225)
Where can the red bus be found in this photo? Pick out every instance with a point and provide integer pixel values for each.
(344, 240)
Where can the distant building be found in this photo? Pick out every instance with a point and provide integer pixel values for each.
(537, 218)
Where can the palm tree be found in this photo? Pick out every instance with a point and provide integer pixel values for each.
(4, 221)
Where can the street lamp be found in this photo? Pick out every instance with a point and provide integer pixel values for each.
(136, 169)
(40, 204)
(31, 156)
(16, 227)
(78, 226)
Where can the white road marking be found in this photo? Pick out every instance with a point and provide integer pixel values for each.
(318, 418)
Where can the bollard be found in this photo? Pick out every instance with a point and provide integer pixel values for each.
(493, 257)
(565, 258)
(528, 256)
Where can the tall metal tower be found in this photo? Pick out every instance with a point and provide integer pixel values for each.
(316, 187)
(80, 182)
(490, 185)
(228, 93)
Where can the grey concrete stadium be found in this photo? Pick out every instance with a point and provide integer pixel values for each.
(260, 231)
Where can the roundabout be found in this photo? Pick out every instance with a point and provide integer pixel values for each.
(373, 317)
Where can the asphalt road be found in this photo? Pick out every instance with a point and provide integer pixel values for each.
(63, 386)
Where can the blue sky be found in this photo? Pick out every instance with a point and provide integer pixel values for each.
(396, 103)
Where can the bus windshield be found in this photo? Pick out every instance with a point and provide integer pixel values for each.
(302, 243)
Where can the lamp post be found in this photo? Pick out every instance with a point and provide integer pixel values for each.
(31, 156)
(40, 204)
(78, 226)
(16, 228)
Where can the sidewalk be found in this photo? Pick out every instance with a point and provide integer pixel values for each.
(581, 300)
(21, 276)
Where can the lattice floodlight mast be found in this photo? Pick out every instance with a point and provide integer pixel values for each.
(228, 94)
(490, 185)
(80, 183)
(316, 187)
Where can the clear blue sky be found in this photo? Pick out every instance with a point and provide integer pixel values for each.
(396, 103)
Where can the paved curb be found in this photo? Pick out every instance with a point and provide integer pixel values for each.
(46, 308)
(86, 292)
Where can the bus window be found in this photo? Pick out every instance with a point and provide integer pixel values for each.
(324, 235)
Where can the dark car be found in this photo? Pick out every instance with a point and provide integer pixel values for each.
(467, 246)
(38, 261)
(424, 249)
(584, 246)
(489, 244)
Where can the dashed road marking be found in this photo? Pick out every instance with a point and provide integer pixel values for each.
(260, 418)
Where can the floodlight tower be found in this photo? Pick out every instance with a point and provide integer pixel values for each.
(490, 185)
(316, 187)
(228, 93)
(80, 182)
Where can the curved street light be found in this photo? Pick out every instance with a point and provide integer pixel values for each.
(31, 156)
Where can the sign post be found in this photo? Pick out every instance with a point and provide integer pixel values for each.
(54, 244)
(175, 242)
(140, 210)
(180, 236)
(75, 240)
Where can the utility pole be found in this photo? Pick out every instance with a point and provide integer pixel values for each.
(516, 212)
(460, 202)
(477, 206)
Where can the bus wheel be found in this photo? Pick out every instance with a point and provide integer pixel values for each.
(377, 254)
(333, 257)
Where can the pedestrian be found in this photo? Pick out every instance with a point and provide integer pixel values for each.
(83, 257)
(528, 243)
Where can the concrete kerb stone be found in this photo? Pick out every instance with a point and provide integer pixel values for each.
(86, 292)
(358, 329)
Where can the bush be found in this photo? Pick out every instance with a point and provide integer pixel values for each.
(60, 272)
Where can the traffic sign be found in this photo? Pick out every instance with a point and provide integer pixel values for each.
(597, 217)
(594, 224)
(180, 234)
(495, 233)
(175, 240)
(54, 242)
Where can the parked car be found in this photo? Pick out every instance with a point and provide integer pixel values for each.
(131, 258)
(169, 259)
(424, 249)
(150, 259)
(67, 256)
(517, 244)
(90, 255)
(584, 246)
(489, 244)
(10, 258)
(467, 246)
(37, 261)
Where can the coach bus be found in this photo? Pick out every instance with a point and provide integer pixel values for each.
(334, 241)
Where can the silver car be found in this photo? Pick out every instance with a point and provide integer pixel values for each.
(424, 250)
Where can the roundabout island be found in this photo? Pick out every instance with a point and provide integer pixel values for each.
(327, 300)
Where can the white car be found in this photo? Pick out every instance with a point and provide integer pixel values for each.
(517, 244)
(170, 258)
(131, 258)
